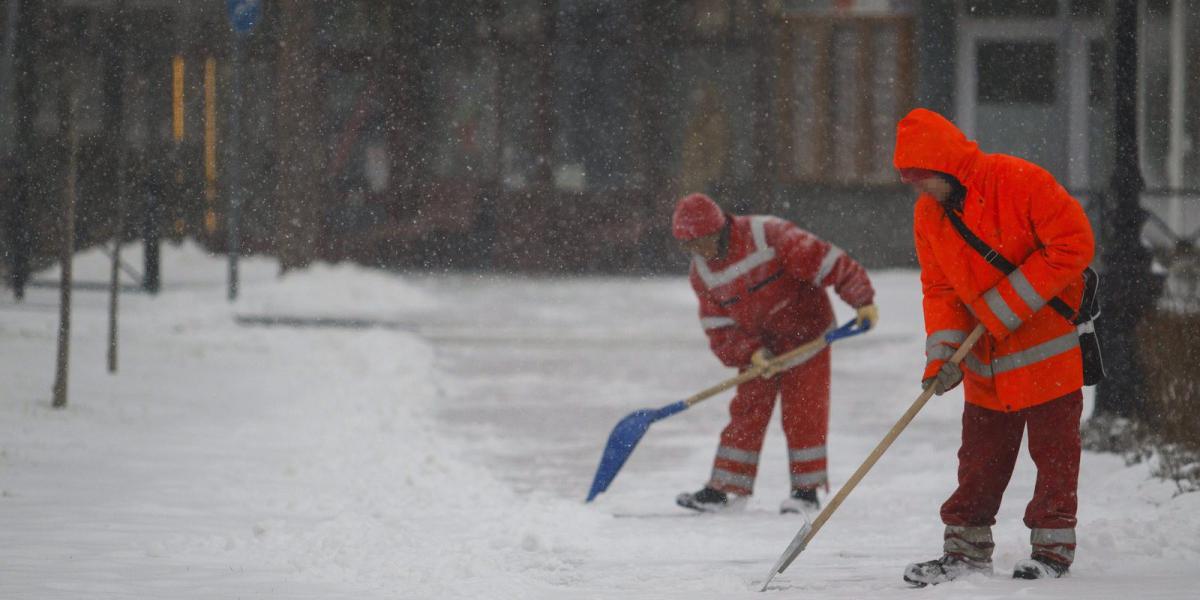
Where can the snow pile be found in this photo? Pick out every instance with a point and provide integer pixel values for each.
(223, 460)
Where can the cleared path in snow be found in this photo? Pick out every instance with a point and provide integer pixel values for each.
(544, 368)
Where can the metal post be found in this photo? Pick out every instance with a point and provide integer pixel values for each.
(115, 281)
(62, 372)
(1129, 288)
(1178, 94)
(118, 71)
(7, 59)
(235, 171)
(150, 233)
(24, 107)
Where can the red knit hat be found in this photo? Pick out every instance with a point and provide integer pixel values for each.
(696, 216)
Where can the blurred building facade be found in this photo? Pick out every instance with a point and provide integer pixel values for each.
(554, 135)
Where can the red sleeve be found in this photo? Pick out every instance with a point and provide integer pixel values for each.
(812, 259)
(728, 341)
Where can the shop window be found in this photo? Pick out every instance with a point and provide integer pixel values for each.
(1016, 72)
(596, 97)
(521, 18)
(465, 127)
(520, 136)
(1098, 69)
(710, 125)
(845, 83)
(1087, 8)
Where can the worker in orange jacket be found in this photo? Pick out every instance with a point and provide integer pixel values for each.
(1027, 371)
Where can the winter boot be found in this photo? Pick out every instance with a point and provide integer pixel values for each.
(1039, 567)
(710, 500)
(802, 502)
(947, 568)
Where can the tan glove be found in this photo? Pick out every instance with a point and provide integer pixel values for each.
(868, 313)
(946, 379)
(761, 359)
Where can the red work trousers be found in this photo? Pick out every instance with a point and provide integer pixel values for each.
(990, 443)
(804, 390)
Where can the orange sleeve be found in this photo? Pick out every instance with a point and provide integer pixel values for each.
(947, 321)
(1066, 245)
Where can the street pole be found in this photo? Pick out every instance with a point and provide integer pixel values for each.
(243, 16)
(117, 71)
(25, 105)
(62, 371)
(1128, 288)
(235, 171)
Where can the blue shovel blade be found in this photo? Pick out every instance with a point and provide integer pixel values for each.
(623, 439)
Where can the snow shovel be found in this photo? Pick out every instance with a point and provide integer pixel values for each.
(629, 431)
(809, 530)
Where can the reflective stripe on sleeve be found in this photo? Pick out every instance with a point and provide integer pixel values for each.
(1025, 291)
(1000, 308)
(827, 263)
(977, 366)
(938, 352)
(716, 322)
(945, 336)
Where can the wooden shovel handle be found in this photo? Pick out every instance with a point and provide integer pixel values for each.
(754, 371)
(887, 440)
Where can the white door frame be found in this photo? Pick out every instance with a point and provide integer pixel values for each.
(1072, 81)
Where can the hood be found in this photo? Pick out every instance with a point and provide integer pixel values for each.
(927, 140)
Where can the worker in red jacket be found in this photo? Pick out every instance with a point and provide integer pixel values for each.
(761, 284)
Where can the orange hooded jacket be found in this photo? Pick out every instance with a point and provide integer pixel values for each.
(1031, 353)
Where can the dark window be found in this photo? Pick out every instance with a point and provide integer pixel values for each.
(1087, 8)
(1098, 69)
(1016, 72)
(987, 9)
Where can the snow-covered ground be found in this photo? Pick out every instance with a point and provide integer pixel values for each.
(446, 452)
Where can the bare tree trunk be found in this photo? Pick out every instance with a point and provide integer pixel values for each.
(299, 194)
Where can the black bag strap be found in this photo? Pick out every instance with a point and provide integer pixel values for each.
(997, 260)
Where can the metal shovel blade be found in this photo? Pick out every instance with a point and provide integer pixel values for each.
(621, 442)
(799, 542)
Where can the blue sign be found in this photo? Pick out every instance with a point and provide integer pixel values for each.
(243, 14)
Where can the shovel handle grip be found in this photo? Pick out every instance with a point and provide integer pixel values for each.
(845, 331)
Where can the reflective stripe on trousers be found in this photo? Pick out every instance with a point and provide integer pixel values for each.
(974, 543)
(808, 467)
(1057, 544)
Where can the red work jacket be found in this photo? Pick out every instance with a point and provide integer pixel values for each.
(768, 288)
(1031, 352)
